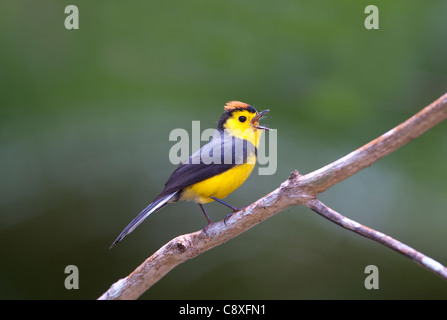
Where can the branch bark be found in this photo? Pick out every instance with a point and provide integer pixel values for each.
(296, 190)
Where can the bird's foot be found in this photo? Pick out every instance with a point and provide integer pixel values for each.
(205, 228)
(228, 216)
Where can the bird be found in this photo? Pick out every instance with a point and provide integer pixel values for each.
(217, 169)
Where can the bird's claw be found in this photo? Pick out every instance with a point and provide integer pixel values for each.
(206, 227)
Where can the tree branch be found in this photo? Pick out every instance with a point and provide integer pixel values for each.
(337, 171)
(297, 190)
(380, 237)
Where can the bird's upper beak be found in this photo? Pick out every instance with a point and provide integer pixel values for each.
(255, 120)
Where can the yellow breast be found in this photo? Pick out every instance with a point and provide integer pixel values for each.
(218, 186)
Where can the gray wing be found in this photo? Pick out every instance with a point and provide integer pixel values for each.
(220, 154)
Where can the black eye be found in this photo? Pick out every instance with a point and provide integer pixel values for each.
(242, 119)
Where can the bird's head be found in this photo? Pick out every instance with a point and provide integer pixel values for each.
(241, 116)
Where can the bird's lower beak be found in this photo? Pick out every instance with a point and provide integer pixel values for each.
(255, 120)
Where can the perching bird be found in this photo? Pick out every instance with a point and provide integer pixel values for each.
(217, 169)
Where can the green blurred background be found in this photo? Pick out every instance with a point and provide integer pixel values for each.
(86, 115)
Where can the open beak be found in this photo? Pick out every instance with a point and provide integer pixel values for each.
(255, 120)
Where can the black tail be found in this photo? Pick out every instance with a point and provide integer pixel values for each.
(156, 205)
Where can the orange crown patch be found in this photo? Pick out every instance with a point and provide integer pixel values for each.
(232, 105)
